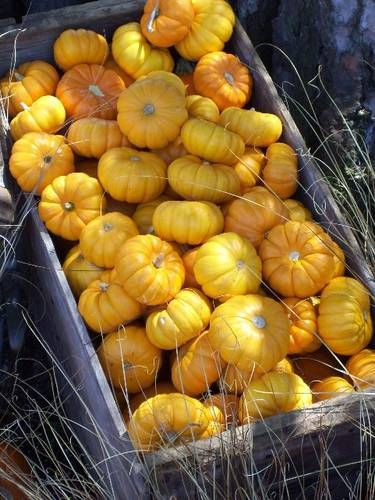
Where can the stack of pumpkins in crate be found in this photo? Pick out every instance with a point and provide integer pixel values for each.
(193, 262)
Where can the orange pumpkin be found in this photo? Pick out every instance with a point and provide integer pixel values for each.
(90, 90)
(73, 47)
(303, 325)
(101, 239)
(249, 167)
(92, 137)
(188, 258)
(104, 305)
(297, 262)
(171, 151)
(202, 107)
(38, 158)
(69, 203)
(149, 269)
(361, 368)
(254, 214)
(129, 360)
(297, 211)
(280, 172)
(164, 23)
(111, 64)
(330, 387)
(79, 272)
(188, 80)
(26, 84)
(223, 78)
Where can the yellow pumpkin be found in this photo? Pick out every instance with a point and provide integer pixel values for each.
(211, 142)
(104, 305)
(46, 114)
(200, 180)
(211, 28)
(303, 325)
(249, 168)
(129, 360)
(92, 137)
(297, 211)
(254, 214)
(135, 401)
(188, 258)
(251, 332)
(330, 387)
(38, 158)
(257, 129)
(195, 366)
(131, 175)
(361, 368)
(102, 238)
(149, 269)
(69, 203)
(216, 424)
(344, 320)
(171, 151)
(151, 112)
(227, 265)
(271, 394)
(144, 213)
(202, 107)
(134, 54)
(191, 222)
(79, 272)
(184, 318)
(280, 172)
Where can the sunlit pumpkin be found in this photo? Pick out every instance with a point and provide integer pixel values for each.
(130, 406)
(79, 272)
(249, 168)
(297, 211)
(202, 107)
(330, 387)
(303, 326)
(361, 368)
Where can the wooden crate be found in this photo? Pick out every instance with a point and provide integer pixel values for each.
(298, 437)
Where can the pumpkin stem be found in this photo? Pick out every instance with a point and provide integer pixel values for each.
(107, 227)
(155, 13)
(96, 90)
(18, 76)
(205, 162)
(240, 264)
(47, 159)
(127, 365)
(149, 109)
(229, 78)
(294, 256)
(134, 158)
(69, 206)
(259, 321)
(24, 106)
(103, 286)
(158, 261)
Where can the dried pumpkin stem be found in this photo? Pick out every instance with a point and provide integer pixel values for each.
(294, 256)
(259, 321)
(158, 261)
(149, 109)
(18, 76)
(96, 90)
(47, 159)
(103, 286)
(69, 206)
(153, 16)
(107, 227)
(229, 78)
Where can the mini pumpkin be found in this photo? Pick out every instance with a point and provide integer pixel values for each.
(344, 319)
(227, 265)
(131, 175)
(302, 316)
(188, 80)
(136, 400)
(188, 259)
(361, 368)
(297, 211)
(144, 213)
(111, 64)
(191, 222)
(251, 332)
(330, 387)
(249, 168)
(73, 47)
(129, 360)
(227, 404)
(69, 203)
(79, 272)
(38, 158)
(280, 172)
(223, 78)
(149, 269)
(184, 318)
(202, 107)
(27, 83)
(171, 151)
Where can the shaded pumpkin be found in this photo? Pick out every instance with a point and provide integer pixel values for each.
(79, 272)
(171, 151)
(280, 172)
(202, 107)
(188, 258)
(303, 328)
(297, 211)
(144, 213)
(111, 64)
(227, 404)
(361, 368)
(330, 387)
(318, 365)
(249, 168)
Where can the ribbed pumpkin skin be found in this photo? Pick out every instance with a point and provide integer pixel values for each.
(297, 211)
(250, 331)
(196, 179)
(167, 419)
(149, 269)
(133, 53)
(188, 80)
(69, 203)
(27, 83)
(339, 264)
(150, 392)
(330, 387)
(46, 114)
(79, 272)
(104, 305)
(131, 175)
(257, 129)
(129, 360)
(280, 172)
(202, 107)
(297, 261)
(211, 142)
(223, 78)
(249, 167)
(92, 137)
(190, 222)
(90, 90)
(111, 64)
(227, 265)
(303, 325)
(144, 213)
(102, 238)
(80, 46)
(151, 112)
(196, 366)
(255, 214)
(188, 259)
(38, 158)
(361, 367)
(216, 424)
(171, 151)
(184, 318)
(344, 320)
(211, 28)
(271, 394)
(164, 23)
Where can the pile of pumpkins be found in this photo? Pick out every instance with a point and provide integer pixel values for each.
(192, 260)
